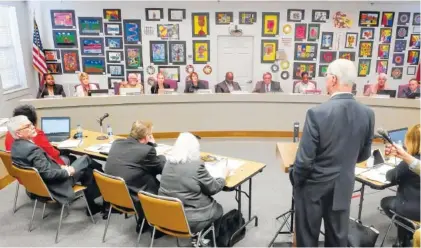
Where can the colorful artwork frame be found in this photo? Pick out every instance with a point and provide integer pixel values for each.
(365, 49)
(416, 19)
(295, 15)
(132, 31)
(327, 41)
(388, 18)
(201, 51)
(113, 28)
(414, 41)
(347, 55)
(224, 18)
(313, 33)
(342, 20)
(385, 35)
(51, 55)
(54, 68)
(401, 32)
(92, 46)
(398, 59)
(93, 65)
(300, 32)
(382, 66)
(369, 19)
(319, 15)
(367, 33)
(63, 19)
(351, 40)
(176, 15)
(247, 18)
(90, 26)
(364, 67)
(270, 24)
(200, 24)
(327, 57)
(114, 42)
(300, 67)
(400, 46)
(133, 57)
(383, 51)
(413, 57)
(112, 15)
(154, 14)
(323, 70)
(158, 52)
(112, 58)
(268, 50)
(59, 37)
(403, 18)
(305, 51)
(70, 61)
(397, 72)
(177, 52)
(168, 31)
(170, 72)
(115, 70)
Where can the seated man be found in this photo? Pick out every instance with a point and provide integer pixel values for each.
(304, 85)
(413, 87)
(228, 85)
(59, 179)
(135, 160)
(267, 85)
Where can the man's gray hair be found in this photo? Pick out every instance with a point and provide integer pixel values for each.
(344, 70)
(15, 123)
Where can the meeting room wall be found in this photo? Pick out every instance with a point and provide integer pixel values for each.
(136, 10)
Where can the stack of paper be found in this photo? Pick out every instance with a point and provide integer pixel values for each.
(162, 149)
(378, 173)
(359, 170)
(104, 148)
(218, 168)
(70, 143)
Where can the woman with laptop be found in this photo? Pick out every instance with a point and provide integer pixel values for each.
(85, 85)
(379, 86)
(407, 200)
(50, 87)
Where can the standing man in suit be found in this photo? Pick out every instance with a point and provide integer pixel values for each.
(336, 135)
(267, 85)
(228, 85)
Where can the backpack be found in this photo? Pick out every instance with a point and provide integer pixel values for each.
(230, 223)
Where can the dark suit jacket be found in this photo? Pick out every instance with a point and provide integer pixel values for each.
(193, 185)
(222, 87)
(136, 163)
(58, 90)
(407, 93)
(155, 88)
(336, 135)
(261, 88)
(190, 88)
(408, 195)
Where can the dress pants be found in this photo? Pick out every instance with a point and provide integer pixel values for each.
(389, 203)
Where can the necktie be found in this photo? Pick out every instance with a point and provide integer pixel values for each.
(267, 87)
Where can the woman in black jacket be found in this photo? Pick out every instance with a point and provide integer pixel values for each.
(407, 200)
(50, 88)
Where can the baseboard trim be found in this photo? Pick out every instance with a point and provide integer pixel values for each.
(6, 181)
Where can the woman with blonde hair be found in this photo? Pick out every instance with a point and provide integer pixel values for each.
(407, 200)
(134, 80)
(380, 85)
(85, 85)
(159, 84)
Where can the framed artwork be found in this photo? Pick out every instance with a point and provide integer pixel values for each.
(270, 24)
(51, 54)
(112, 28)
(369, 19)
(114, 42)
(416, 19)
(200, 22)
(168, 31)
(327, 41)
(268, 51)
(132, 31)
(70, 61)
(93, 65)
(413, 57)
(327, 56)
(347, 55)
(341, 20)
(201, 51)
(295, 15)
(90, 25)
(414, 41)
(398, 59)
(114, 80)
(403, 18)
(154, 14)
(351, 40)
(92, 46)
(410, 70)
(387, 19)
(401, 32)
(304, 67)
(300, 32)
(112, 15)
(364, 66)
(323, 70)
(381, 66)
(114, 56)
(400, 46)
(176, 15)
(158, 52)
(224, 18)
(177, 52)
(115, 70)
(65, 38)
(385, 35)
(133, 57)
(313, 32)
(248, 17)
(397, 72)
(62, 19)
(318, 15)
(366, 49)
(367, 33)
(170, 72)
(54, 68)
(305, 51)
(416, 29)
(383, 51)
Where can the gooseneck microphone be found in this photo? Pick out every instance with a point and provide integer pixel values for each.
(100, 120)
(384, 135)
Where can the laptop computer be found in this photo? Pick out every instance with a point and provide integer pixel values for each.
(397, 135)
(414, 96)
(56, 129)
(103, 92)
(391, 93)
(130, 91)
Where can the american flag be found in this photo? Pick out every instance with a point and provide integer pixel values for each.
(38, 58)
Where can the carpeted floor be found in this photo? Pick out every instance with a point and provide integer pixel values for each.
(271, 197)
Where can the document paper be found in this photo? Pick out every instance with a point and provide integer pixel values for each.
(104, 148)
(217, 168)
(70, 143)
(378, 173)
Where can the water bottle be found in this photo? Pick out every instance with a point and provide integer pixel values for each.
(79, 132)
(110, 133)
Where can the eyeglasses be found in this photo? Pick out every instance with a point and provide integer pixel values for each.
(29, 125)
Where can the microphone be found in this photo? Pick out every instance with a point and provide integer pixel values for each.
(384, 135)
(296, 132)
(103, 118)
(100, 120)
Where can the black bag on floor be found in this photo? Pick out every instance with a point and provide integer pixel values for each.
(230, 223)
(360, 235)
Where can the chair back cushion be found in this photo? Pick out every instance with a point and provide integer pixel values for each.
(366, 87)
(6, 157)
(172, 83)
(401, 88)
(31, 179)
(116, 88)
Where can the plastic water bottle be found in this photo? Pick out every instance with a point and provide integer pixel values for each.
(79, 132)
(110, 133)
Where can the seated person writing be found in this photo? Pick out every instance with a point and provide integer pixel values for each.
(267, 85)
(194, 84)
(135, 160)
(50, 88)
(134, 81)
(185, 177)
(85, 85)
(159, 84)
(59, 179)
(304, 85)
(380, 85)
(407, 200)
(228, 85)
(413, 87)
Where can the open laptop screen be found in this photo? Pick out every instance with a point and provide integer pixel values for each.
(55, 125)
(398, 135)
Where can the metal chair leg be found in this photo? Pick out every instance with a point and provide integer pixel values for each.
(106, 225)
(33, 213)
(87, 205)
(388, 229)
(59, 223)
(214, 235)
(140, 231)
(152, 237)
(43, 211)
(16, 197)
